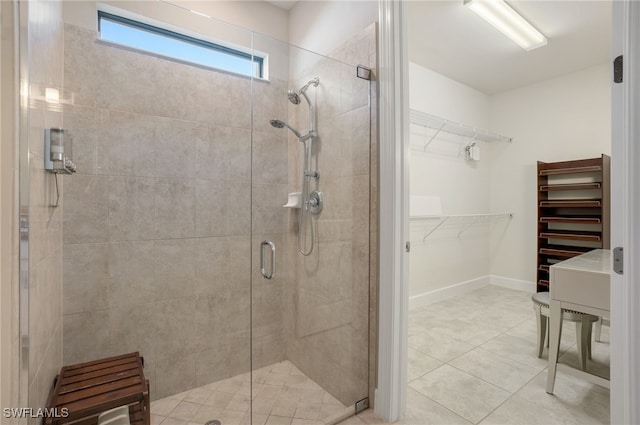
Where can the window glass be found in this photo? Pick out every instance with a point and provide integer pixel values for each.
(153, 39)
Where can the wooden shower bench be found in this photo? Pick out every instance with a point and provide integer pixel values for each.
(88, 389)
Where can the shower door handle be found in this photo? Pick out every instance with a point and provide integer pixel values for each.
(263, 270)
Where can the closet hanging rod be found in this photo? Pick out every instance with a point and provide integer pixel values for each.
(441, 124)
(444, 218)
(432, 217)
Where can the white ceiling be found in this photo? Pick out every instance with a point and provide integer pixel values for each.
(283, 4)
(447, 37)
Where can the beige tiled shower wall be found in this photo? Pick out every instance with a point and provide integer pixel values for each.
(328, 296)
(158, 219)
(45, 44)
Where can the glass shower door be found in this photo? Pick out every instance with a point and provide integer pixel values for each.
(157, 219)
(311, 237)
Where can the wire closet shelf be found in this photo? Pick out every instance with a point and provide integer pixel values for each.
(444, 125)
(469, 219)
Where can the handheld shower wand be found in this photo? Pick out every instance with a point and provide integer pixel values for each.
(312, 200)
(282, 124)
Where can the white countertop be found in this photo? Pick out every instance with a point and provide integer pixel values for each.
(581, 284)
(596, 261)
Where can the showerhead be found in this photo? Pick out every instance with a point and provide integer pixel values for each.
(282, 124)
(294, 96)
(314, 82)
(277, 123)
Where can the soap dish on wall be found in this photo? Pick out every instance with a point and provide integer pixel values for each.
(294, 200)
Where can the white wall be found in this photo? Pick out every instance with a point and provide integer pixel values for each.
(561, 119)
(439, 95)
(322, 26)
(256, 15)
(443, 259)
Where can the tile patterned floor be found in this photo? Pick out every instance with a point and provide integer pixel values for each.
(282, 395)
(472, 360)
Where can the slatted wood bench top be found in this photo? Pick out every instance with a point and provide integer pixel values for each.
(88, 389)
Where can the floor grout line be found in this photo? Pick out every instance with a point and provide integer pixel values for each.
(442, 405)
(509, 398)
(506, 332)
(297, 395)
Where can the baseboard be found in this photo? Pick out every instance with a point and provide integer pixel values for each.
(517, 284)
(440, 294)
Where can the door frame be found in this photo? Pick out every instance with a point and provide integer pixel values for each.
(8, 213)
(394, 197)
(393, 291)
(625, 206)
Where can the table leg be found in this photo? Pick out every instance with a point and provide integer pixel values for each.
(583, 335)
(147, 405)
(542, 330)
(598, 329)
(555, 329)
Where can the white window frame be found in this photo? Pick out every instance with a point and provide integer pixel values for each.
(154, 26)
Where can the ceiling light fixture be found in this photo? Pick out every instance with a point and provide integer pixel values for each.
(509, 22)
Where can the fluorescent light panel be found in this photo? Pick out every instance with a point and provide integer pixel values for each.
(509, 22)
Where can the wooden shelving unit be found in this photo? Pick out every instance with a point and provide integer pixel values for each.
(570, 219)
(573, 211)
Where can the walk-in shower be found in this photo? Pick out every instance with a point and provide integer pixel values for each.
(311, 200)
(161, 226)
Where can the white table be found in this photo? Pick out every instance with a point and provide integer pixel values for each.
(581, 284)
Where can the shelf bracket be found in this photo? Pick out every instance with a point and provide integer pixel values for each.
(434, 136)
(435, 228)
(475, 220)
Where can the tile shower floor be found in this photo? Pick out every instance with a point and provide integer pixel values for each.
(472, 360)
(282, 395)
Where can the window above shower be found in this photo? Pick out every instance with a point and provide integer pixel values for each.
(178, 46)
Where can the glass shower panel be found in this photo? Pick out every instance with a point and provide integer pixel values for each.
(157, 219)
(311, 154)
(176, 243)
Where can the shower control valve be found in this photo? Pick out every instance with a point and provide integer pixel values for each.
(315, 202)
